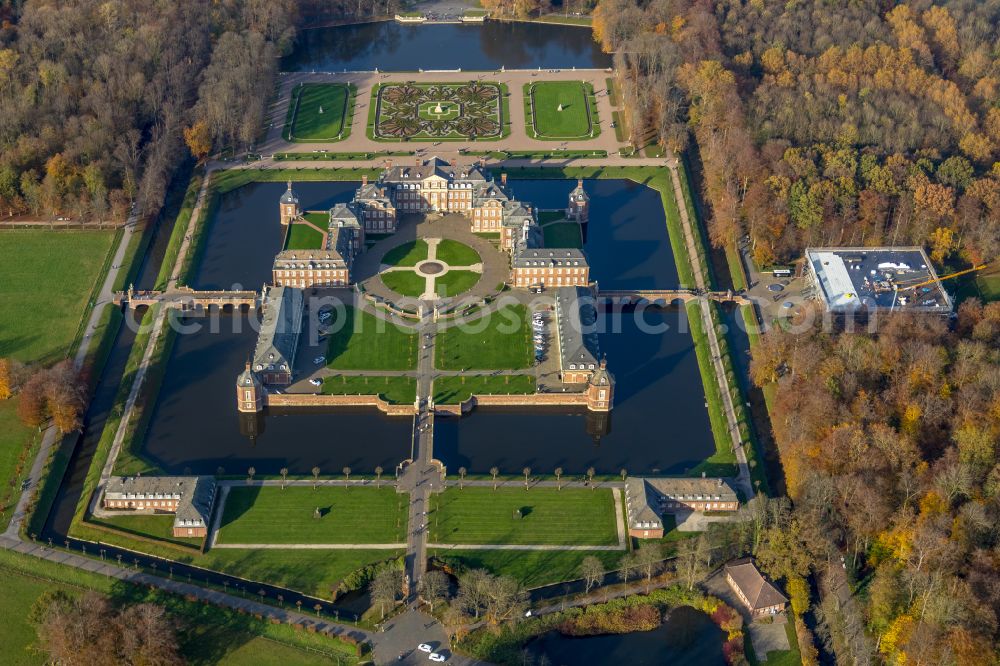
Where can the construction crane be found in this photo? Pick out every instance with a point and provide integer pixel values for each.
(942, 278)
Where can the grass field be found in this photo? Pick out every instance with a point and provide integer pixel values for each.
(504, 343)
(333, 124)
(454, 253)
(454, 283)
(481, 515)
(402, 390)
(405, 283)
(45, 281)
(534, 568)
(303, 236)
(154, 527)
(16, 442)
(284, 516)
(407, 254)
(450, 390)
(207, 634)
(576, 120)
(563, 234)
(366, 342)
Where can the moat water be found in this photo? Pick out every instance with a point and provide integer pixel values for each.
(390, 46)
(659, 424)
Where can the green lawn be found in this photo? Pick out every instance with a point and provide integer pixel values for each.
(16, 443)
(154, 527)
(303, 236)
(367, 342)
(500, 341)
(533, 568)
(400, 390)
(563, 234)
(405, 283)
(451, 390)
(284, 516)
(574, 121)
(481, 515)
(407, 254)
(454, 253)
(17, 633)
(454, 283)
(46, 278)
(308, 124)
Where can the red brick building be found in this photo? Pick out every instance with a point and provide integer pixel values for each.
(189, 498)
(758, 595)
(648, 499)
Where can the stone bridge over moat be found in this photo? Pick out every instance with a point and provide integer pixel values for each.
(666, 296)
(188, 299)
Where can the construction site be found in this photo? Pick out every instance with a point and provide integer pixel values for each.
(847, 279)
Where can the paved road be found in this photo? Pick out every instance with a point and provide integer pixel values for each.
(743, 477)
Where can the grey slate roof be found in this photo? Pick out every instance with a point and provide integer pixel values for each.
(371, 193)
(195, 494)
(309, 259)
(579, 194)
(343, 215)
(279, 331)
(645, 496)
(434, 166)
(575, 321)
(759, 592)
(289, 196)
(541, 257)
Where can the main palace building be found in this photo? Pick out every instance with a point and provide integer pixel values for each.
(434, 186)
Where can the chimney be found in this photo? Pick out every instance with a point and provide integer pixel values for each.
(503, 178)
(382, 191)
(579, 182)
(420, 162)
(364, 180)
(388, 164)
(482, 162)
(453, 162)
(721, 482)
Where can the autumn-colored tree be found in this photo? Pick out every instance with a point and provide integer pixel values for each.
(198, 138)
(12, 373)
(32, 408)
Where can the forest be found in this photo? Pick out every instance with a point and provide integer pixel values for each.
(860, 123)
(823, 123)
(95, 96)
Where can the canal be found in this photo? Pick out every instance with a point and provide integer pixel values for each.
(390, 46)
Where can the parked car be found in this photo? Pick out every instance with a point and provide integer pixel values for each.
(424, 647)
(319, 360)
(316, 382)
(435, 656)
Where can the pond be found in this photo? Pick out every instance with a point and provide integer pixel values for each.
(659, 423)
(390, 46)
(687, 637)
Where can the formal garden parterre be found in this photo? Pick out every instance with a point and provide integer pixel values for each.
(437, 111)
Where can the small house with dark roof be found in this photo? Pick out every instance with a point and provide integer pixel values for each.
(758, 595)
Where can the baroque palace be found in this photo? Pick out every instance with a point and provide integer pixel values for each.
(434, 186)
